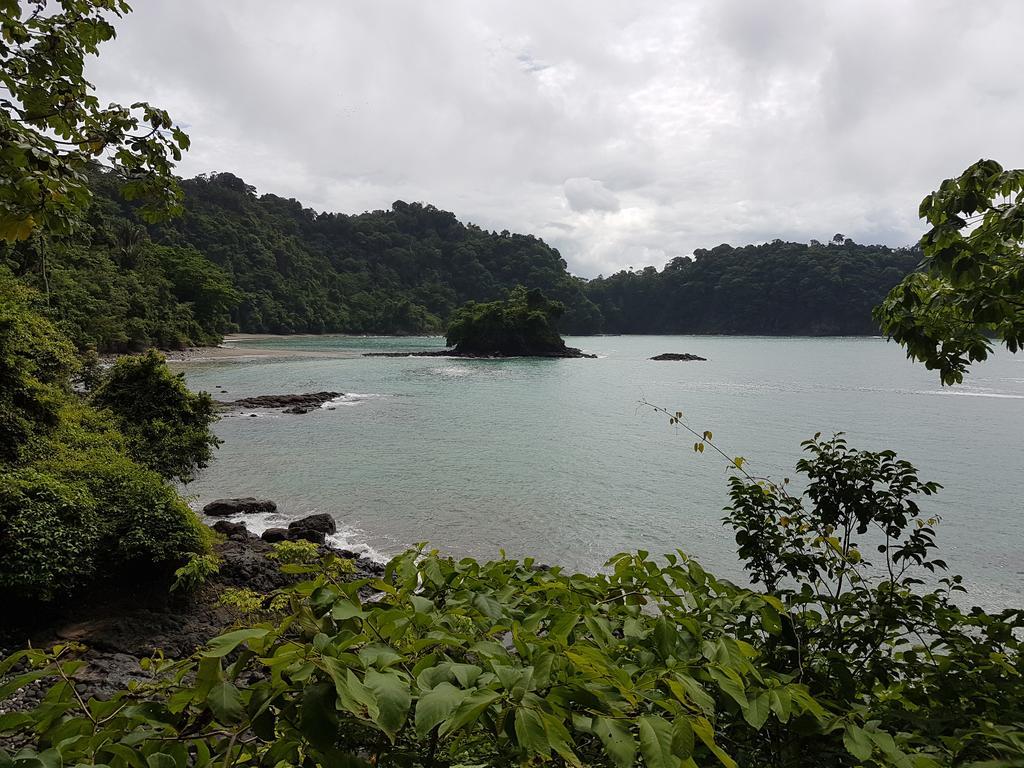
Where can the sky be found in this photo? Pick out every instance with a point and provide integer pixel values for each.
(623, 133)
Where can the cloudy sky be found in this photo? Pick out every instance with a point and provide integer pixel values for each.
(624, 133)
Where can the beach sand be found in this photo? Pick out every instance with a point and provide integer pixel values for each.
(235, 348)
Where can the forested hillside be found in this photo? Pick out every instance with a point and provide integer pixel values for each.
(778, 288)
(235, 260)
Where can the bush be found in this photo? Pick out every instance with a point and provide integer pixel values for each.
(35, 363)
(143, 520)
(49, 535)
(167, 427)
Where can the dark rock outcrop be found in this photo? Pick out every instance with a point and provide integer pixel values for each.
(231, 530)
(273, 535)
(321, 522)
(678, 356)
(245, 505)
(309, 401)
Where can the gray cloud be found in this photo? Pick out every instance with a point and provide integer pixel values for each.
(587, 194)
(705, 122)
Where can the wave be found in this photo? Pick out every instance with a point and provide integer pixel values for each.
(999, 395)
(350, 398)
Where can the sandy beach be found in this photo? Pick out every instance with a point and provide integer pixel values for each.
(237, 347)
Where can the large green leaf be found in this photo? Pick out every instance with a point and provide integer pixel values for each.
(530, 732)
(393, 700)
(436, 705)
(225, 702)
(656, 742)
(617, 739)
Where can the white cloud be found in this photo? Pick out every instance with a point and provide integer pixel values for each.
(623, 133)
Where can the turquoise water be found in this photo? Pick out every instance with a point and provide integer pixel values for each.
(557, 458)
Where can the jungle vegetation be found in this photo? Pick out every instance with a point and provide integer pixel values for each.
(846, 649)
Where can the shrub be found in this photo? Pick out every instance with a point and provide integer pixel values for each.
(167, 427)
(49, 534)
(194, 573)
(142, 519)
(35, 362)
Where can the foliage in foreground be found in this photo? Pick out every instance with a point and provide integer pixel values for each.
(83, 489)
(53, 128)
(971, 285)
(444, 662)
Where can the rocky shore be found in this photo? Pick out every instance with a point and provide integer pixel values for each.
(124, 621)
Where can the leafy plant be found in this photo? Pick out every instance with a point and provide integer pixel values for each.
(195, 573)
(53, 128)
(970, 287)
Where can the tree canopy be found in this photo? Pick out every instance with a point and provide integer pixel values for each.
(970, 288)
(523, 324)
(53, 127)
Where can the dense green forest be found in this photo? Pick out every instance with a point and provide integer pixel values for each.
(235, 260)
(778, 288)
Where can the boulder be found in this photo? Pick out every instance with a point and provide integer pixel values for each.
(321, 522)
(678, 356)
(306, 534)
(274, 535)
(231, 530)
(297, 409)
(246, 505)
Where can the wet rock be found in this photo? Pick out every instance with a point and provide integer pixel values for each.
(307, 534)
(297, 409)
(678, 356)
(308, 401)
(245, 505)
(274, 535)
(321, 522)
(231, 530)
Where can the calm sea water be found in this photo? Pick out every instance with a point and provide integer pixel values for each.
(557, 459)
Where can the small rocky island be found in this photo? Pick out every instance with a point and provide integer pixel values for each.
(523, 325)
(683, 356)
(299, 403)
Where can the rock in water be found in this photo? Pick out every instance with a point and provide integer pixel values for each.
(231, 530)
(321, 522)
(245, 505)
(274, 535)
(677, 356)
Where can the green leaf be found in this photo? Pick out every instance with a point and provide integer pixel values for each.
(160, 760)
(656, 742)
(617, 740)
(530, 732)
(468, 711)
(393, 700)
(225, 644)
(559, 738)
(436, 705)
(225, 702)
(706, 733)
(682, 738)
(758, 709)
(857, 742)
